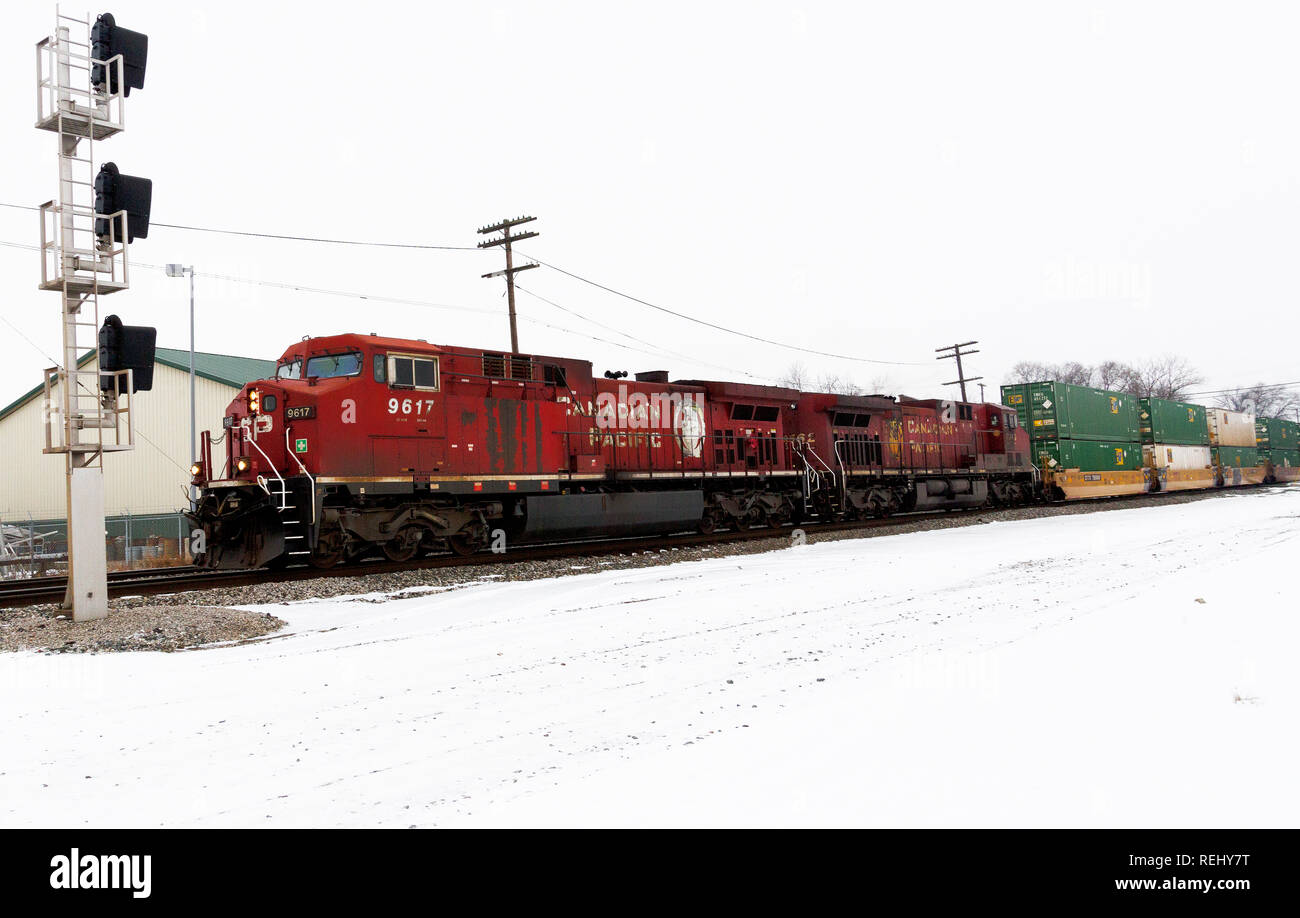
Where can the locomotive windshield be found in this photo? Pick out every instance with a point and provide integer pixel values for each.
(290, 369)
(331, 365)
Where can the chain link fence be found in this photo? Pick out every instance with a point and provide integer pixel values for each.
(36, 548)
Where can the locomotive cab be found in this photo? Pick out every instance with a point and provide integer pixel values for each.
(257, 477)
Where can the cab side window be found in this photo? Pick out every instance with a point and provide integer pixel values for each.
(413, 372)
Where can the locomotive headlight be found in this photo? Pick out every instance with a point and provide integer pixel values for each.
(254, 401)
(196, 470)
(241, 465)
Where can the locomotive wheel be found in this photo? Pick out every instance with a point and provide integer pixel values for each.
(707, 524)
(405, 545)
(328, 551)
(325, 559)
(461, 545)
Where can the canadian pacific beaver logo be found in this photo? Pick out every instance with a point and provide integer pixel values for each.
(690, 429)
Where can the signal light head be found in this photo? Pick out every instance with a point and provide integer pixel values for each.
(116, 192)
(126, 347)
(107, 41)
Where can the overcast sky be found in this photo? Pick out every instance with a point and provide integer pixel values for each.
(1058, 181)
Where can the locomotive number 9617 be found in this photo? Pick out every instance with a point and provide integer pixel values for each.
(410, 406)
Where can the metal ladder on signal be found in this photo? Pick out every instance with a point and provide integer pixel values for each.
(76, 114)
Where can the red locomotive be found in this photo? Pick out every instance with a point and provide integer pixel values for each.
(363, 443)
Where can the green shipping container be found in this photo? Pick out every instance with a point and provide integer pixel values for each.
(1060, 411)
(1174, 423)
(1088, 455)
(1242, 457)
(1277, 433)
(1017, 397)
(1281, 458)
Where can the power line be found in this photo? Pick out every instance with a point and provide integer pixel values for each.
(40, 350)
(358, 242)
(455, 248)
(1244, 388)
(292, 238)
(425, 304)
(657, 351)
(722, 328)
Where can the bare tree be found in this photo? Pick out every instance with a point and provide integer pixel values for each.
(1111, 374)
(840, 385)
(1072, 372)
(880, 385)
(1264, 401)
(1075, 373)
(1030, 371)
(796, 377)
(1162, 377)
(1170, 377)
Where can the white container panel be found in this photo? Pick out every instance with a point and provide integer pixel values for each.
(1230, 428)
(1178, 458)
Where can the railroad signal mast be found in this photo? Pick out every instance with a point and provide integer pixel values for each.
(955, 351)
(505, 239)
(84, 71)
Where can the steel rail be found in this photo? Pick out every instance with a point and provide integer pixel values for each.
(187, 579)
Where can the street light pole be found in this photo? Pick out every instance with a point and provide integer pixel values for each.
(181, 271)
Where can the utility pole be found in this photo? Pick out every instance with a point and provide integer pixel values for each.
(505, 239)
(981, 393)
(174, 270)
(958, 353)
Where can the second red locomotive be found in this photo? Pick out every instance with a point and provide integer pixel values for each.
(362, 443)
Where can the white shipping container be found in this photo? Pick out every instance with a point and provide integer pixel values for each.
(1230, 428)
(1178, 458)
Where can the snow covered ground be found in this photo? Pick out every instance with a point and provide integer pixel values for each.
(1133, 667)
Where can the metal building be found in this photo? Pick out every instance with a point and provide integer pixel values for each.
(147, 487)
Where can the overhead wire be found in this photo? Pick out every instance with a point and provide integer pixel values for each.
(714, 325)
(1259, 386)
(140, 433)
(403, 301)
(585, 280)
(293, 238)
(658, 351)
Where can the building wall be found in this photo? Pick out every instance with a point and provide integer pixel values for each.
(152, 478)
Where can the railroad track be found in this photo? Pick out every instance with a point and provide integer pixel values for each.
(185, 579)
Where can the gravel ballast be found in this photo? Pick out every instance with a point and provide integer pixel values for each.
(140, 627)
(177, 622)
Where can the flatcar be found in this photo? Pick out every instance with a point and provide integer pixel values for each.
(364, 444)
(1092, 442)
